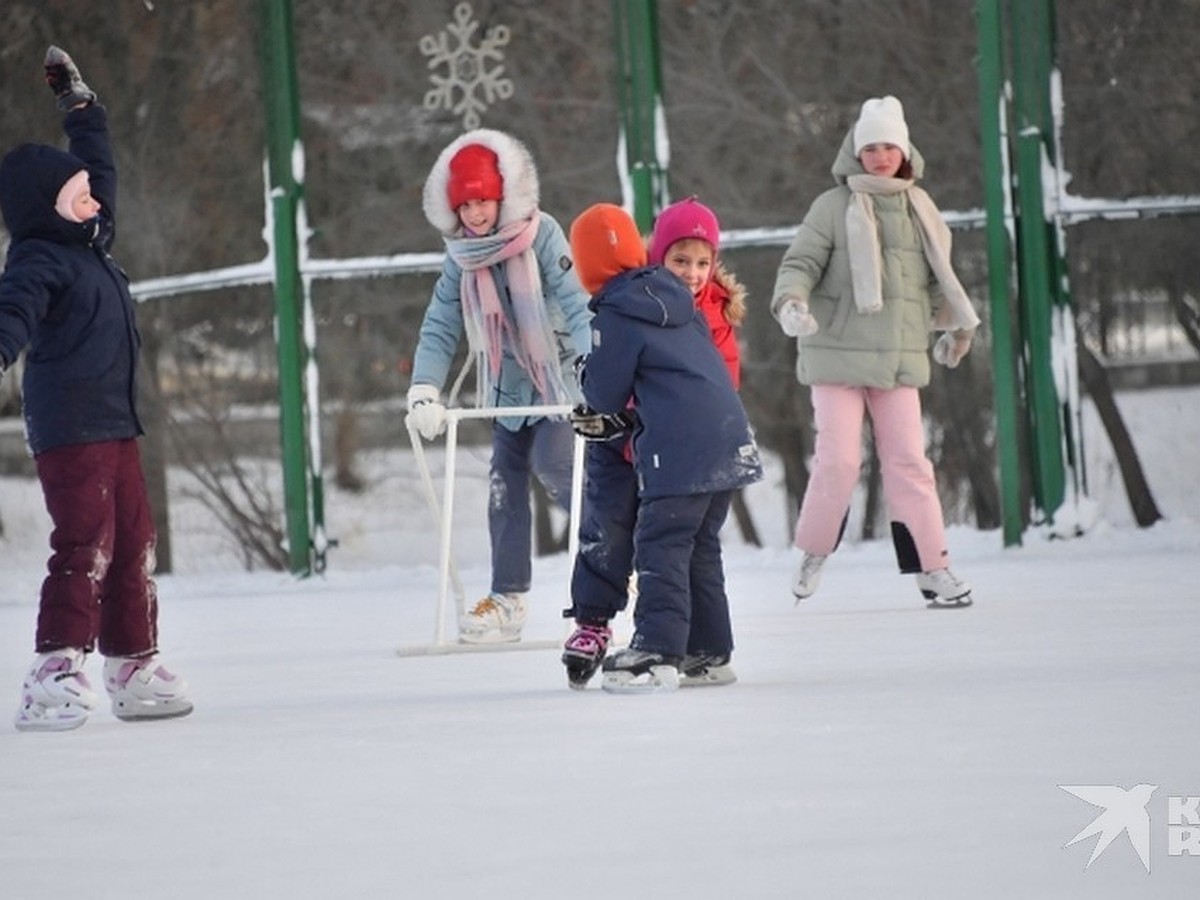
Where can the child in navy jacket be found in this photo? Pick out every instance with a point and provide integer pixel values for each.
(692, 444)
(64, 297)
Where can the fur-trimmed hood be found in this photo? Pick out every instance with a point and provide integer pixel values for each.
(735, 294)
(517, 168)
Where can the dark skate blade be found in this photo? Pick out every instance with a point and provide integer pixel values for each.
(580, 670)
(657, 679)
(176, 712)
(708, 679)
(932, 601)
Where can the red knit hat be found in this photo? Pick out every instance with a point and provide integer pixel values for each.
(686, 219)
(604, 243)
(474, 175)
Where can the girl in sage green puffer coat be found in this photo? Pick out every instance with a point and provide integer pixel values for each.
(862, 287)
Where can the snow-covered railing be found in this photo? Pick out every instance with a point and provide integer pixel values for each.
(263, 272)
(1071, 210)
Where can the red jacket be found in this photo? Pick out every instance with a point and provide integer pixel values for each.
(712, 300)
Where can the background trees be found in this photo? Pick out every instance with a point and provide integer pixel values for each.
(758, 95)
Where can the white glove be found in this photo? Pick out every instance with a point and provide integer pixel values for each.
(426, 413)
(795, 319)
(952, 346)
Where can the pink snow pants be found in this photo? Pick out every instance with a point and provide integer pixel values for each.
(909, 488)
(100, 584)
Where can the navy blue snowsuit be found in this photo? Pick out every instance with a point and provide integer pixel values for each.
(692, 449)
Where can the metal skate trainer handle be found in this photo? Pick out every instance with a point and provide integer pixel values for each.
(453, 417)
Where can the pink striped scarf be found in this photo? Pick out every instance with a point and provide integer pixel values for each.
(529, 333)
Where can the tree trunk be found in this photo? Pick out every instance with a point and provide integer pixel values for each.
(154, 452)
(874, 491)
(346, 442)
(1137, 489)
(545, 541)
(741, 513)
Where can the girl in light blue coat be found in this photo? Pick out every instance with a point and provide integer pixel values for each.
(509, 285)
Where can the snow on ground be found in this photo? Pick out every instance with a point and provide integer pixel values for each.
(871, 747)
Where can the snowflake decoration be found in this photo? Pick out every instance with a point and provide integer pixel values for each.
(468, 73)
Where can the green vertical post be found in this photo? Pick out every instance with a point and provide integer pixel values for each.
(1000, 267)
(282, 108)
(639, 92)
(1067, 376)
(1035, 243)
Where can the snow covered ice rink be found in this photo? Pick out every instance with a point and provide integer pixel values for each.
(871, 748)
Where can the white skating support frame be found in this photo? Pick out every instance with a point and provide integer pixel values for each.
(444, 516)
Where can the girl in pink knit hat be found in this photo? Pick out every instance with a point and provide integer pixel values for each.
(686, 240)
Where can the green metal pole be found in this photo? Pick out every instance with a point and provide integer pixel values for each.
(1067, 356)
(282, 107)
(1034, 249)
(1000, 267)
(639, 92)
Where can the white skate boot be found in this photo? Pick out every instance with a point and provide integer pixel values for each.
(943, 589)
(496, 619)
(143, 688)
(808, 576)
(706, 670)
(632, 671)
(56, 694)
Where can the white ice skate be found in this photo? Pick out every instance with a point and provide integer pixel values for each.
(808, 576)
(496, 619)
(143, 688)
(639, 672)
(943, 589)
(706, 671)
(56, 694)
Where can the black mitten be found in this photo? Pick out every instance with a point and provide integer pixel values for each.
(65, 81)
(594, 426)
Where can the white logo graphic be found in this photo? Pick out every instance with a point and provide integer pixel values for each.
(1183, 826)
(1124, 810)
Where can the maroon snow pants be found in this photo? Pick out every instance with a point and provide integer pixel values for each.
(100, 587)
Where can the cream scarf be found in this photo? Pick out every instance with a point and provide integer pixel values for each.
(866, 258)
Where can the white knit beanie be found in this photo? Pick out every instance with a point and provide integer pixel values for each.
(881, 122)
(72, 188)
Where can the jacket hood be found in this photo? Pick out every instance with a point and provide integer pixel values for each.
(651, 294)
(31, 176)
(732, 293)
(847, 164)
(517, 168)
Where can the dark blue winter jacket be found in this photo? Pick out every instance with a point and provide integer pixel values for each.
(650, 342)
(65, 297)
